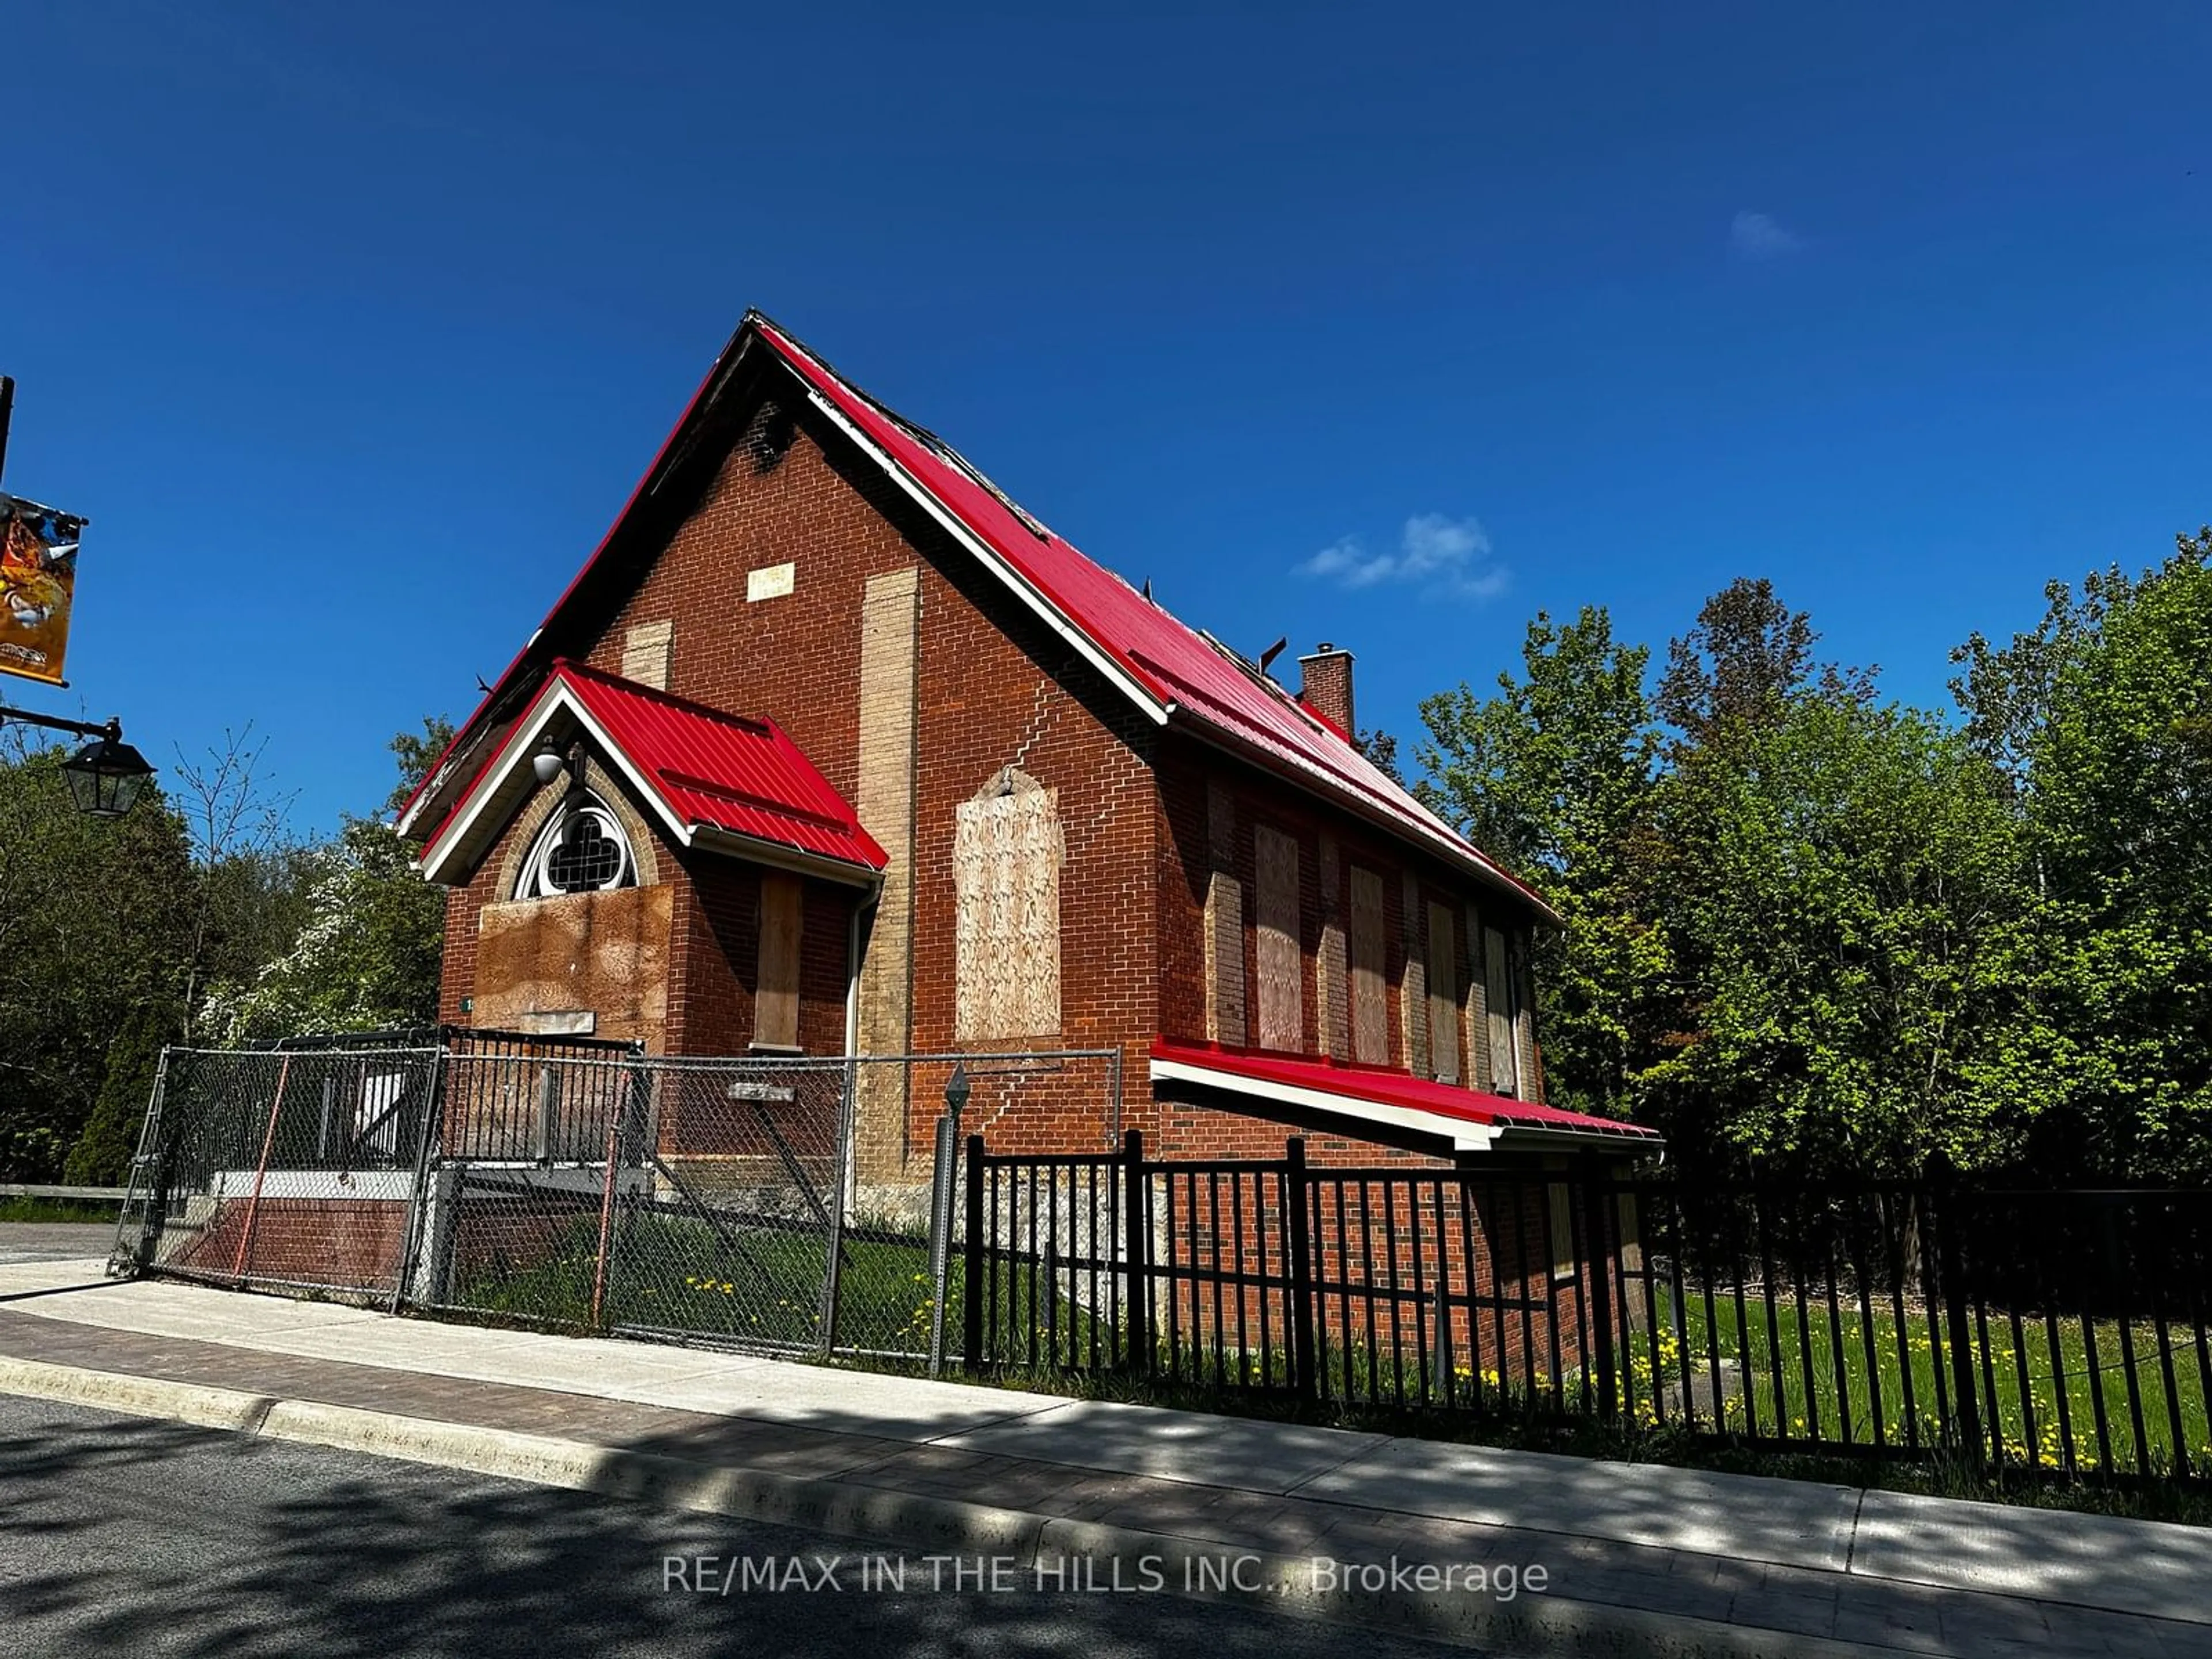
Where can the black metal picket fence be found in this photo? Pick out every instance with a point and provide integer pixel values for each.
(2055, 1330)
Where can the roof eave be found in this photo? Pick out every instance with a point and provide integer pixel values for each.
(716, 838)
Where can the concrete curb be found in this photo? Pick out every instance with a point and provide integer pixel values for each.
(1532, 1623)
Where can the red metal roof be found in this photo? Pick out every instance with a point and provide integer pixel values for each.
(1195, 678)
(1356, 1084)
(705, 769)
(1185, 675)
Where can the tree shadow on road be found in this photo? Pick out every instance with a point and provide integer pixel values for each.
(135, 1537)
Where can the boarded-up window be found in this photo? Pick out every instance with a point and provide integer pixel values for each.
(1007, 854)
(1526, 1063)
(776, 991)
(1443, 995)
(1497, 995)
(646, 649)
(1282, 967)
(1414, 982)
(1370, 1008)
(1560, 1222)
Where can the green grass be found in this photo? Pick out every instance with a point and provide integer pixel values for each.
(88, 1211)
(1883, 1357)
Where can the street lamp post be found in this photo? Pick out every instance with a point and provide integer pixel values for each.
(105, 776)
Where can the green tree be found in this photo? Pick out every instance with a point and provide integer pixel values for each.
(94, 918)
(1553, 776)
(2099, 718)
(367, 950)
(103, 1151)
(1841, 886)
(417, 752)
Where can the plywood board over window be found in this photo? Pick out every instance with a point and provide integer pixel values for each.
(776, 991)
(1443, 994)
(1499, 998)
(1281, 964)
(1370, 1008)
(1007, 854)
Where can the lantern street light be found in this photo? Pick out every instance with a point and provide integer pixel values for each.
(107, 776)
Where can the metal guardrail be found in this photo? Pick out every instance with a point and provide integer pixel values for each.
(96, 1194)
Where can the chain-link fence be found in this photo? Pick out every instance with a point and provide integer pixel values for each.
(770, 1203)
(283, 1170)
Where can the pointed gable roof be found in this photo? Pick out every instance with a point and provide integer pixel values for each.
(717, 780)
(1172, 672)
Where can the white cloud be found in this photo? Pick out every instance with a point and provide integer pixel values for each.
(1759, 237)
(1438, 554)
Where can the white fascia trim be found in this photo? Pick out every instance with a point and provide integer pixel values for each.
(1517, 1136)
(434, 787)
(1465, 1137)
(524, 740)
(1053, 617)
(715, 839)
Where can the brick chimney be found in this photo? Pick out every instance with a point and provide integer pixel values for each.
(1325, 686)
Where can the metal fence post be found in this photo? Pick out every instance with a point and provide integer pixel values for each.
(971, 1273)
(147, 1186)
(418, 1201)
(244, 1260)
(943, 1172)
(841, 1201)
(1304, 1314)
(549, 1099)
(1598, 1285)
(1137, 1248)
(606, 1218)
(1951, 1286)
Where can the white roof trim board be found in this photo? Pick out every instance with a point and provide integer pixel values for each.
(1465, 1137)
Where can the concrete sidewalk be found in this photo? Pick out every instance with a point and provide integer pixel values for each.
(1637, 1558)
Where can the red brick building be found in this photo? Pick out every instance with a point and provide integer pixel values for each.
(830, 748)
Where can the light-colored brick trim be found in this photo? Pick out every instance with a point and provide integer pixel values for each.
(891, 626)
(1224, 923)
(1331, 970)
(1475, 1007)
(1414, 985)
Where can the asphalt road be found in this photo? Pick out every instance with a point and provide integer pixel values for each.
(54, 1241)
(122, 1535)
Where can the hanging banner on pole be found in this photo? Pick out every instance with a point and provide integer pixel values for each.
(37, 582)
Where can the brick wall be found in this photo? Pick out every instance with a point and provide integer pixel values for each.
(716, 950)
(992, 688)
(1193, 781)
(337, 1241)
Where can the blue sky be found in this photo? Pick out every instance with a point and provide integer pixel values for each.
(351, 328)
